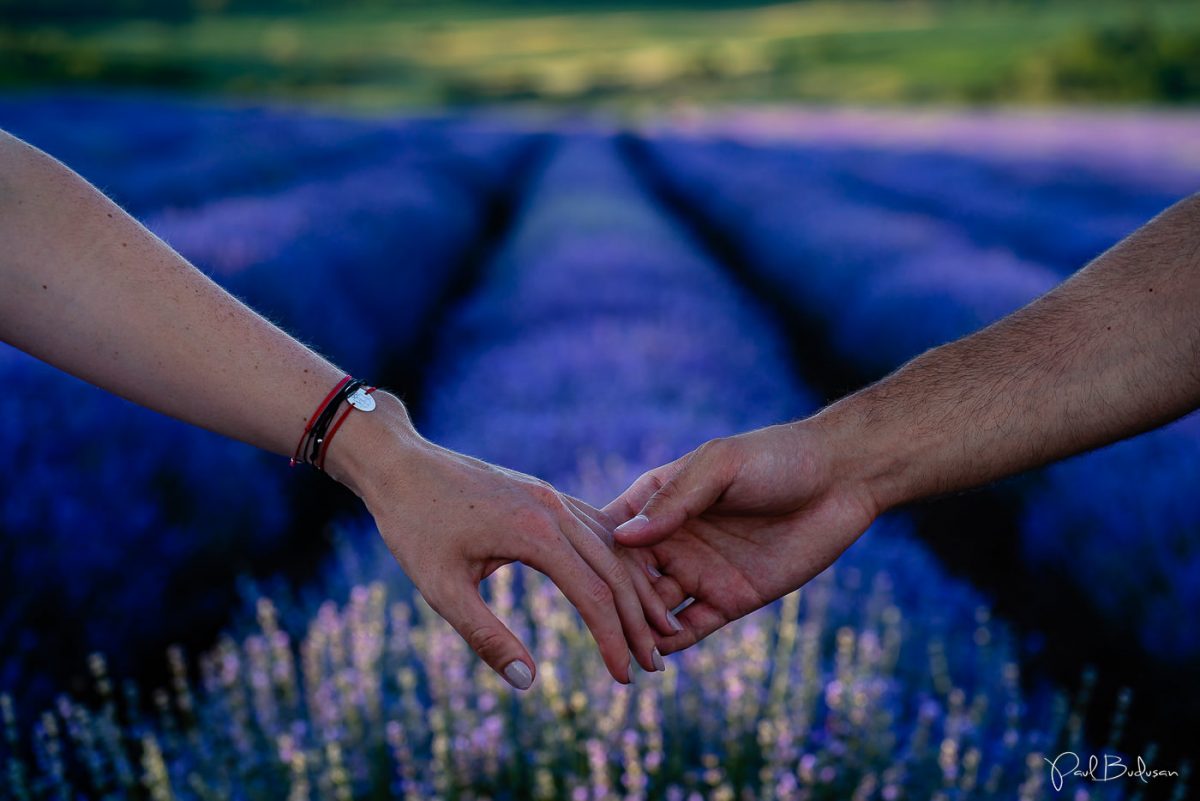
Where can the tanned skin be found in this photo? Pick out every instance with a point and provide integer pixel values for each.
(1111, 352)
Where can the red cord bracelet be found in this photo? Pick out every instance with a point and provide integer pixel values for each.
(329, 437)
(313, 419)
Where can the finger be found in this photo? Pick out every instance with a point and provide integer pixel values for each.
(600, 516)
(593, 542)
(631, 501)
(590, 594)
(655, 608)
(639, 563)
(699, 620)
(669, 591)
(462, 606)
(600, 523)
(689, 492)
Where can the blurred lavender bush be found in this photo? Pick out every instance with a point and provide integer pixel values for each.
(837, 240)
(598, 304)
(1055, 212)
(883, 679)
(152, 154)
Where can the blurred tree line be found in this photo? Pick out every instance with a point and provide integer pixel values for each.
(178, 10)
(164, 10)
(1041, 51)
(1143, 62)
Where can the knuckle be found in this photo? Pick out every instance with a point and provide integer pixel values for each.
(544, 495)
(619, 580)
(715, 449)
(665, 492)
(651, 479)
(485, 640)
(720, 456)
(598, 591)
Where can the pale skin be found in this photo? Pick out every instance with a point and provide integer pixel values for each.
(91, 291)
(1111, 352)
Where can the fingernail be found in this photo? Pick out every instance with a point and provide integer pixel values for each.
(674, 621)
(633, 525)
(518, 675)
(657, 659)
(653, 571)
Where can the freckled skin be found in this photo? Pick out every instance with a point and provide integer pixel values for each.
(105, 300)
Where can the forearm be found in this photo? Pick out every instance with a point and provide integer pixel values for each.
(89, 290)
(1111, 352)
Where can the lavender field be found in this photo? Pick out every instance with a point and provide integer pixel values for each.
(583, 304)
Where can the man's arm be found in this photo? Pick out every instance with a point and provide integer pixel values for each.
(88, 289)
(1113, 351)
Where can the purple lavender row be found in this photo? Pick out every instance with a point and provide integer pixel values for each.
(592, 308)
(150, 154)
(1059, 215)
(123, 529)
(884, 285)
(1056, 188)
(1149, 147)
(353, 264)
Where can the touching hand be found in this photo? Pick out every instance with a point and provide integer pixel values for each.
(738, 523)
(451, 521)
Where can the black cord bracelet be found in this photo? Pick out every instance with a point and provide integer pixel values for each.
(316, 435)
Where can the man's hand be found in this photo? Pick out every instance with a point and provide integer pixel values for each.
(1111, 352)
(738, 523)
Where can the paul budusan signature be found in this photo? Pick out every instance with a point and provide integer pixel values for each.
(1102, 768)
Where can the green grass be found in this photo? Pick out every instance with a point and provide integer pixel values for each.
(639, 57)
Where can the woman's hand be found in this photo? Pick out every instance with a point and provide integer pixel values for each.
(451, 521)
(738, 523)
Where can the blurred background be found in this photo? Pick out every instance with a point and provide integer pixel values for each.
(374, 54)
(580, 239)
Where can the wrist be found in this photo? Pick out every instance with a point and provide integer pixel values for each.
(370, 444)
(866, 453)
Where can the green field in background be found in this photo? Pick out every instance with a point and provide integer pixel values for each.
(636, 58)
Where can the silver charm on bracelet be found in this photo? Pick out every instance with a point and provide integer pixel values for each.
(360, 399)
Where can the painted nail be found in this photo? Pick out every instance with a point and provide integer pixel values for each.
(674, 621)
(518, 675)
(633, 525)
(657, 659)
(653, 571)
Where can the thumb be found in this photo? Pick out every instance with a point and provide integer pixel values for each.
(697, 485)
(465, 610)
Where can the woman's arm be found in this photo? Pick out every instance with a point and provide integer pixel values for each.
(89, 290)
